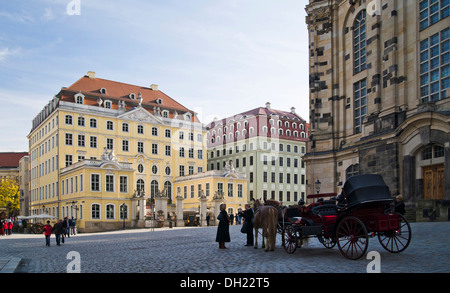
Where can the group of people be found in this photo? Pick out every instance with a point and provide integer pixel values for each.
(223, 229)
(6, 227)
(61, 229)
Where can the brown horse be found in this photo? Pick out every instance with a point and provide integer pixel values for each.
(266, 218)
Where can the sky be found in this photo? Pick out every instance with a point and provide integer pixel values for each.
(216, 57)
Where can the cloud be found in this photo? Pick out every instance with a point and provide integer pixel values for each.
(23, 17)
(6, 52)
(48, 15)
(3, 53)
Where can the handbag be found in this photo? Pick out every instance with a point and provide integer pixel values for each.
(245, 228)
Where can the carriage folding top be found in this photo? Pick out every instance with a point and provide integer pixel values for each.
(364, 189)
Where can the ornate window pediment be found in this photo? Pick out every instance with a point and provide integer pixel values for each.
(141, 115)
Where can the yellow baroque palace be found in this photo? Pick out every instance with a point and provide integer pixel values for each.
(107, 154)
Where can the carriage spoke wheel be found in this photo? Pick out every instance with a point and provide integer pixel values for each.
(289, 239)
(396, 241)
(329, 242)
(352, 238)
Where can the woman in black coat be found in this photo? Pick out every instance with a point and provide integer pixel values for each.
(223, 230)
(248, 221)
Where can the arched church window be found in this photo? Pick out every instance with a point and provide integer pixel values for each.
(359, 42)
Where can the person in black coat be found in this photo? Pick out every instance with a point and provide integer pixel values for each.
(400, 205)
(248, 220)
(223, 230)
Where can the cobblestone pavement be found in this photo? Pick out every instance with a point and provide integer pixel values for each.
(194, 250)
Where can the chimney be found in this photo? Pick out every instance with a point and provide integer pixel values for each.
(154, 87)
(268, 106)
(91, 74)
(293, 110)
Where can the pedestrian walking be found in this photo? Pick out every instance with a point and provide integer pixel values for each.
(223, 229)
(73, 225)
(231, 219)
(2, 228)
(66, 227)
(10, 226)
(247, 227)
(58, 229)
(47, 232)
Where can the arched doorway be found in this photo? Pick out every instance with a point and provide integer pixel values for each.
(431, 161)
(168, 188)
(154, 188)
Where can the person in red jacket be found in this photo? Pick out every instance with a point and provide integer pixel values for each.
(10, 226)
(2, 228)
(47, 232)
(5, 227)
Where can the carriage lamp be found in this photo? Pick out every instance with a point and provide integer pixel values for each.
(318, 183)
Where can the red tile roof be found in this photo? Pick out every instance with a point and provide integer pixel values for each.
(11, 160)
(121, 91)
(256, 112)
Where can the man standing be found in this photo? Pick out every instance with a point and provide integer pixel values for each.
(248, 220)
(58, 231)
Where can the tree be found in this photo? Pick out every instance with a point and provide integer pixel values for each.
(9, 196)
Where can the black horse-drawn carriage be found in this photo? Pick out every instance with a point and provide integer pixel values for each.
(364, 209)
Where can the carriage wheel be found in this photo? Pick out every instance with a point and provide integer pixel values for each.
(329, 242)
(352, 238)
(289, 239)
(396, 241)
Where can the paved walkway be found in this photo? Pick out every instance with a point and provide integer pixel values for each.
(194, 250)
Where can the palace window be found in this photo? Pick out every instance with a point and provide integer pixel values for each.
(93, 123)
(109, 125)
(140, 129)
(435, 66)
(110, 212)
(123, 184)
(154, 188)
(95, 211)
(80, 121)
(431, 11)
(432, 151)
(123, 212)
(360, 103)
(125, 127)
(359, 42)
(140, 185)
(69, 119)
(95, 182)
(351, 171)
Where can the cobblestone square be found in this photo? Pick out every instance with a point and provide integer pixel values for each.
(194, 250)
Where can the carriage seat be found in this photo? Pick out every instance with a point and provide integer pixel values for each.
(325, 210)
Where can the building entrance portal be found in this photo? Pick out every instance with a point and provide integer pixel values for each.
(433, 177)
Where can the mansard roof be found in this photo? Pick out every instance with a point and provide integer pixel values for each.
(94, 87)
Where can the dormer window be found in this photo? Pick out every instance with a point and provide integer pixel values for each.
(108, 104)
(159, 101)
(79, 98)
(132, 96)
(103, 91)
(188, 117)
(165, 114)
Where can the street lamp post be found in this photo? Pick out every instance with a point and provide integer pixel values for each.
(318, 184)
